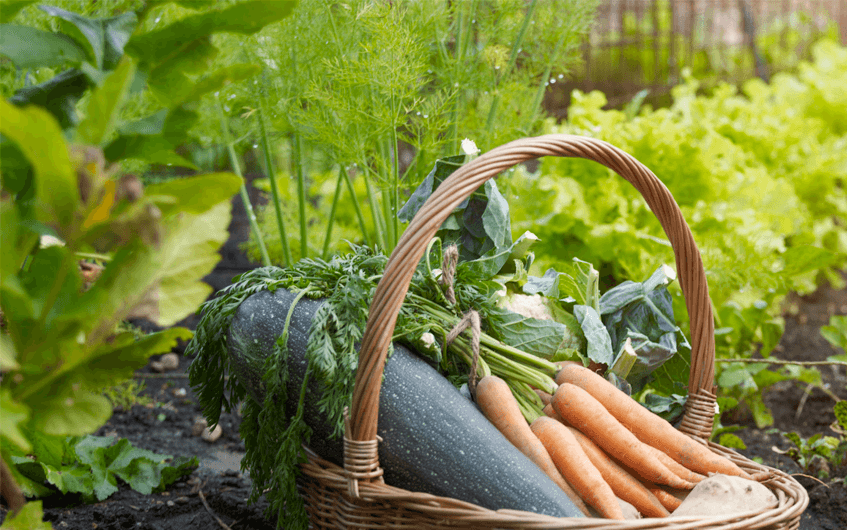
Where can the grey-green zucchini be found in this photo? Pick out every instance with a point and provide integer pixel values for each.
(434, 440)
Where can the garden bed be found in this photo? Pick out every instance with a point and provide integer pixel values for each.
(166, 427)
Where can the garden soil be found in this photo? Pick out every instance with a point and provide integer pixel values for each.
(215, 494)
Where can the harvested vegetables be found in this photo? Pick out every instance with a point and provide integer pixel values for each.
(529, 324)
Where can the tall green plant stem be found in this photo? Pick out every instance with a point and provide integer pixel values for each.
(331, 221)
(542, 88)
(513, 56)
(297, 161)
(251, 216)
(374, 206)
(269, 168)
(359, 216)
(462, 37)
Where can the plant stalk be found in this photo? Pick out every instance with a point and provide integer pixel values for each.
(331, 221)
(542, 88)
(513, 56)
(297, 148)
(269, 168)
(356, 207)
(251, 216)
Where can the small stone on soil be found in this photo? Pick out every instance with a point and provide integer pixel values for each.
(168, 362)
(213, 436)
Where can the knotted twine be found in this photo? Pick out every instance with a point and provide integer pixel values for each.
(471, 318)
(448, 270)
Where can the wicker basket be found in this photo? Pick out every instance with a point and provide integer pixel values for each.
(357, 497)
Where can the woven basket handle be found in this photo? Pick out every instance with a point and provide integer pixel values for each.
(392, 289)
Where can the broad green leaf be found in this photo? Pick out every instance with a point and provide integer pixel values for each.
(169, 81)
(104, 38)
(50, 450)
(153, 149)
(10, 8)
(7, 354)
(147, 126)
(117, 31)
(582, 284)
(836, 332)
(221, 78)
(33, 48)
(58, 95)
(597, 337)
(189, 254)
(116, 360)
(539, 337)
(13, 415)
(38, 279)
(804, 258)
(442, 169)
(761, 413)
(737, 376)
(158, 46)
(771, 334)
(154, 138)
(29, 518)
(766, 378)
(668, 408)
(91, 449)
(29, 487)
(188, 251)
(184, 48)
(82, 29)
(194, 195)
(75, 413)
(40, 138)
(178, 468)
(70, 479)
(104, 105)
(15, 176)
(13, 296)
(547, 285)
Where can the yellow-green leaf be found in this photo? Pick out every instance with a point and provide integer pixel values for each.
(39, 137)
(13, 415)
(104, 105)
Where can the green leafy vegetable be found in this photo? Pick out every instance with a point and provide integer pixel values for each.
(641, 314)
(91, 465)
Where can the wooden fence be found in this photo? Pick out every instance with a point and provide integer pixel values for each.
(647, 44)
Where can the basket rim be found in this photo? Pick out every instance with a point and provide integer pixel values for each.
(792, 500)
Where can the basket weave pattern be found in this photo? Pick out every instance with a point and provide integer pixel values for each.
(356, 496)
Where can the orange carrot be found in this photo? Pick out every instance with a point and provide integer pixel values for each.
(648, 427)
(668, 500)
(501, 408)
(623, 484)
(681, 471)
(545, 397)
(575, 466)
(584, 412)
(549, 411)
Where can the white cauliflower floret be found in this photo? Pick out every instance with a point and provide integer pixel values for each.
(528, 305)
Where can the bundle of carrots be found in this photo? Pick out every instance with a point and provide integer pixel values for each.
(600, 445)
